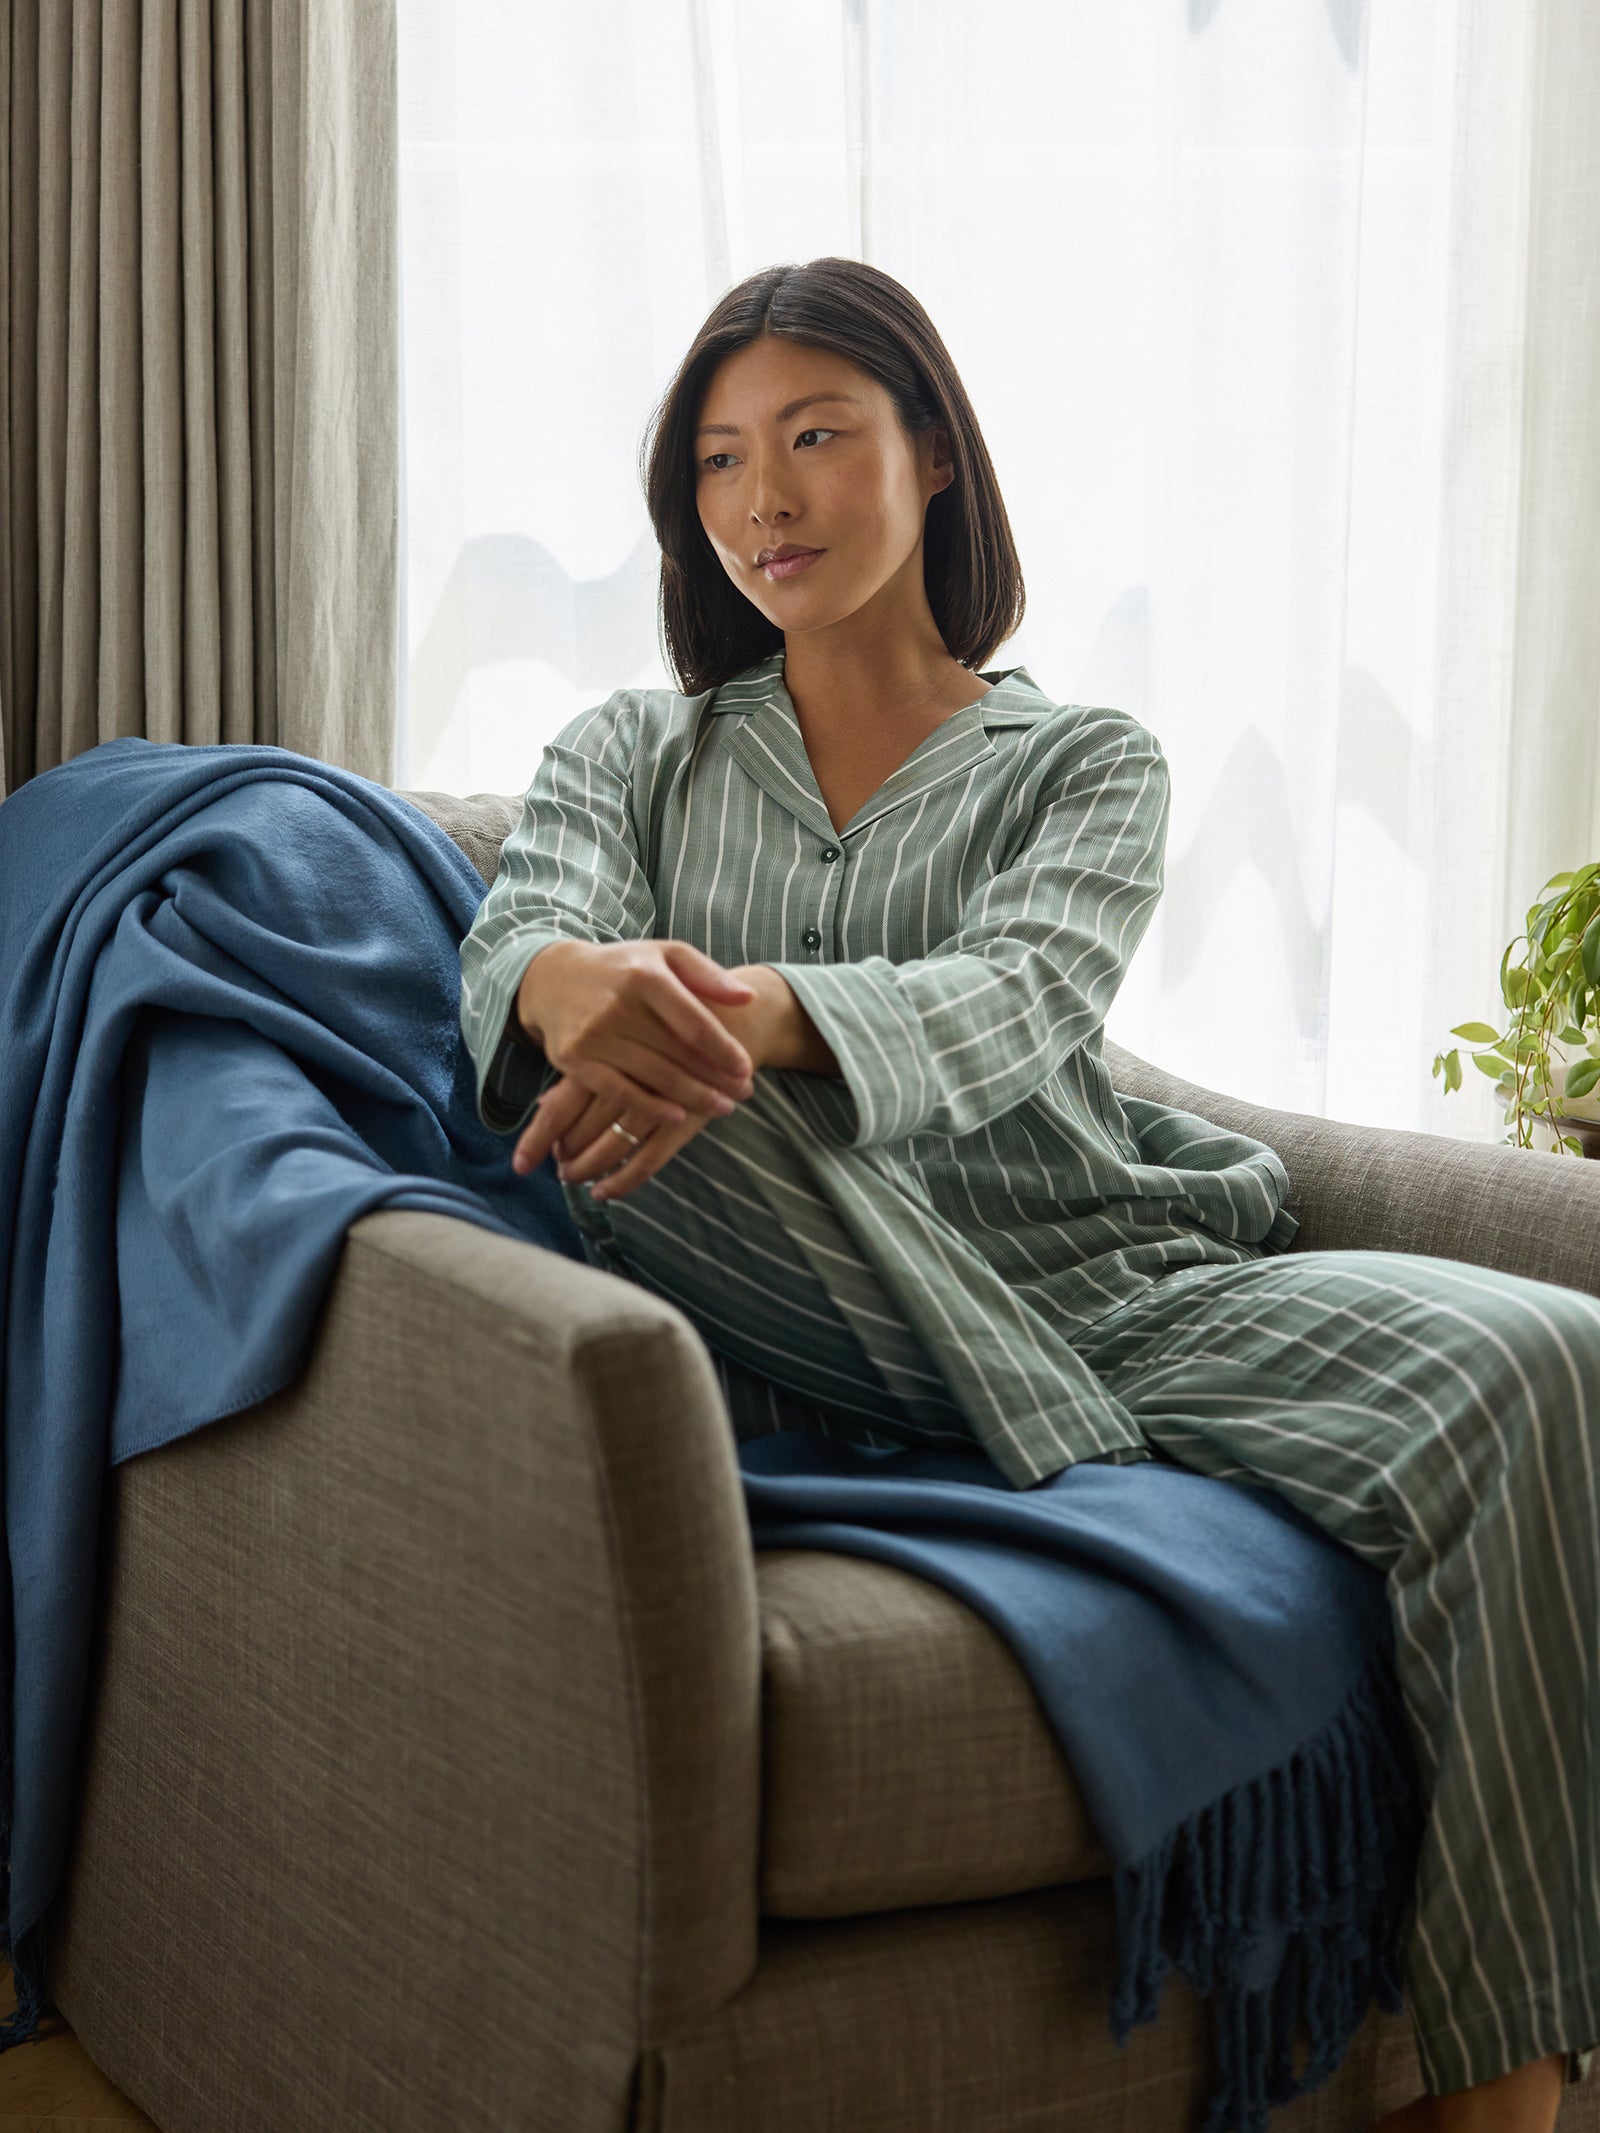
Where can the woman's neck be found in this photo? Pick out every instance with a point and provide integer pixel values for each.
(839, 694)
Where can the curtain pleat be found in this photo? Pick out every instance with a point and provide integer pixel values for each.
(161, 334)
(203, 415)
(51, 333)
(263, 427)
(77, 654)
(231, 328)
(7, 618)
(19, 471)
(199, 443)
(120, 672)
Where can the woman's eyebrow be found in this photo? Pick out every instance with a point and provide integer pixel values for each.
(731, 429)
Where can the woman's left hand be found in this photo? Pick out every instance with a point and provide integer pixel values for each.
(575, 1125)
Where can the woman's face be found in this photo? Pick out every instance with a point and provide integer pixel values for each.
(838, 475)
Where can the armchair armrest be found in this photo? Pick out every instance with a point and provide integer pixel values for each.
(422, 1779)
(1377, 1188)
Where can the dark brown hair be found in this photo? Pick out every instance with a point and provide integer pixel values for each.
(710, 631)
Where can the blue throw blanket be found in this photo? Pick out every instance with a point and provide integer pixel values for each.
(228, 1020)
(1220, 1675)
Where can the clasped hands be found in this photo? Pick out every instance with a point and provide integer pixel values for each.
(652, 1035)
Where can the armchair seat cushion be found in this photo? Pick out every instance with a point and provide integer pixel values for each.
(905, 1757)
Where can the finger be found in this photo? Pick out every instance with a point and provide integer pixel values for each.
(647, 1159)
(589, 1129)
(551, 1114)
(607, 1080)
(592, 1131)
(694, 967)
(687, 1016)
(629, 1072)
(660, 1073)
(559, 1106)
(596, 1117)
(590, 1150)
(567, 1114)
(603, 1154)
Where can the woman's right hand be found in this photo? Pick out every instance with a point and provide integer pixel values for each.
(628, 1021)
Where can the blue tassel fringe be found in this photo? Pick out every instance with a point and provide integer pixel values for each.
(26, 1958)
(21, 2026)
(1334, 1833)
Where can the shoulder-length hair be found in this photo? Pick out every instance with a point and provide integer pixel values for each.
(711, 631)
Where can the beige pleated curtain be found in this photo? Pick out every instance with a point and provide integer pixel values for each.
(199, 429)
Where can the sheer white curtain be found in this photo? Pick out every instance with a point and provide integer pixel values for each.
(1282, 320)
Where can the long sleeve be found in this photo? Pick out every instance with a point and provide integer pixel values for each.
(570, 870)
(947, 1041)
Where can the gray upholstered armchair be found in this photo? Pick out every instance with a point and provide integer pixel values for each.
(454, 1762)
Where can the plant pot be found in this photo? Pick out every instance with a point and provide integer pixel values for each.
(1581, 1124)
(1585, 1131)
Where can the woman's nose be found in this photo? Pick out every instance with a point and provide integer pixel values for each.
(770, 497)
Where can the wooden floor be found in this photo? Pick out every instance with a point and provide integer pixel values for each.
(53, 2086)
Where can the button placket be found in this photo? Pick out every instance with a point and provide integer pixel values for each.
(811, 939)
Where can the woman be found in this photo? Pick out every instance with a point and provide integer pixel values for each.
(807, 967)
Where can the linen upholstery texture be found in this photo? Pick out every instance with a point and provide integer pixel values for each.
(414, 1644)
(501, 1511)
(903, 1765)
(199, 390)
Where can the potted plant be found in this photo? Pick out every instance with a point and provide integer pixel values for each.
(1549, 1051)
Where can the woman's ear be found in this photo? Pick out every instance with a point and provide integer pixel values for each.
(942, 469)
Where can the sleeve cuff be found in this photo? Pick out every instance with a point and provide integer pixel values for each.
(885, 1091)
(1285, 1227)
(518, 1076)
(513, 1072)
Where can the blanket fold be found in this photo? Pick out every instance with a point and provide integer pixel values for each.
(229, 997)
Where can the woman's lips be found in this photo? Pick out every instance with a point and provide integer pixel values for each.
(790, 566)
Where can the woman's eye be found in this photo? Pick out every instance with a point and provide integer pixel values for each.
(711, 458)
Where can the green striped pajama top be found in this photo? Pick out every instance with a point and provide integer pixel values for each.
(957, 943)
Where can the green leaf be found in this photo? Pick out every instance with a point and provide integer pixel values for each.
(1476, 1033)
(1539, 918)
(1452, 1072)
(1591, 952)
(1494, 1068)
(1571, 1035)
(1516, 986)
(1582, 1078)
(1559, 881)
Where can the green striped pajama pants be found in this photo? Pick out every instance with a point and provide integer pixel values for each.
(1442, 1420)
